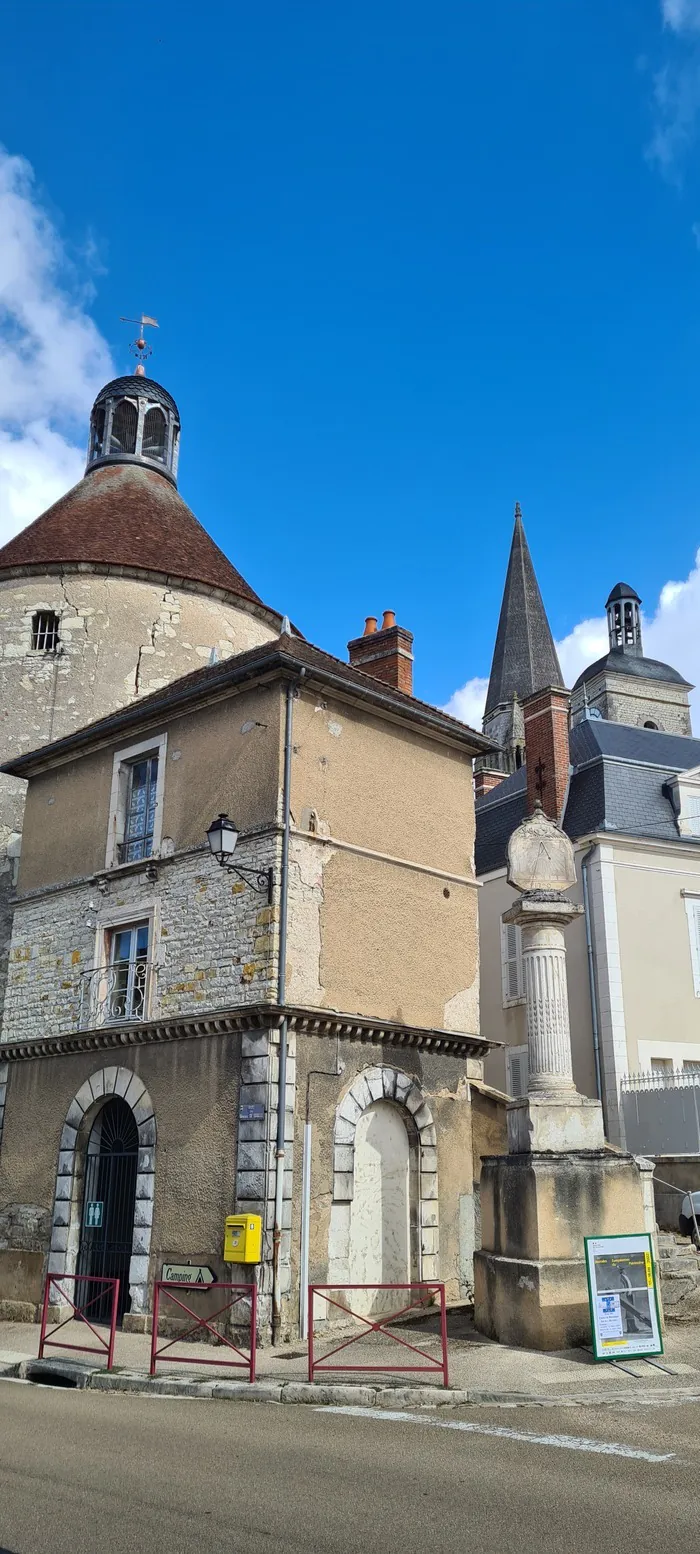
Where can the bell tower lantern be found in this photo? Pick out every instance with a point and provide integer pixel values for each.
(135, 421)
(624, 624)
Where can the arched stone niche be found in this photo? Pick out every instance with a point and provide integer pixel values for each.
(399, 1090)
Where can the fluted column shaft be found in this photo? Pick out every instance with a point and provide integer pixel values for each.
(547, 1005)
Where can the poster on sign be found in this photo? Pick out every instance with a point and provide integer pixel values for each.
(622, 1296)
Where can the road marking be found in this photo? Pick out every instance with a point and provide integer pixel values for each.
(528, 1437)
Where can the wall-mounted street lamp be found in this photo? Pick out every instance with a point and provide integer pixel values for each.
(222, 837)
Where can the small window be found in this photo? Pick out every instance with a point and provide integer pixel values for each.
(124, 427)
(140, 810)
(512, 965)
(661, 1065)
(691, 1066)
(649, 724)
(45, 631)
(127, 974)
(154, 435)
(692, 907)
(517, 1071)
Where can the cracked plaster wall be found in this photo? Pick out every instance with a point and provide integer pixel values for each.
(119, 638)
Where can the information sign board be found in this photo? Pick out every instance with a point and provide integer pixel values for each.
(622, 1296)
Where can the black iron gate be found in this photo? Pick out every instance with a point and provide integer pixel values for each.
(108, 1203)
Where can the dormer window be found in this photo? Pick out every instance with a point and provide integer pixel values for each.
(44, 631)
(684, 792)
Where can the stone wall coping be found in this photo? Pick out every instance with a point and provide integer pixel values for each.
(306, 1021)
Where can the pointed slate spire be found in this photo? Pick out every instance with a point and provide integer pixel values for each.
(524, 658)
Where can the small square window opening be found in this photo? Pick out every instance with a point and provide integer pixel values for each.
(44, 631)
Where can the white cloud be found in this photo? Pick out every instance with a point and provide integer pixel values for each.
(671, 634)
(52, 357)
(468, 702)
(681, 15)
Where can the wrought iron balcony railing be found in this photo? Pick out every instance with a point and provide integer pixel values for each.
(120, 993)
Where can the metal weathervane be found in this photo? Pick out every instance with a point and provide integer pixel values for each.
(140, 347)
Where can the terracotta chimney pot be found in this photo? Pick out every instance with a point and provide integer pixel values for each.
(389, 620)
(370, 625)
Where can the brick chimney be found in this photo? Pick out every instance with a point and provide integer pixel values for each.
(385, 653)
(486, 780)
(546, 715)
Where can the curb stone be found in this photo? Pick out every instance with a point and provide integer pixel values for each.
(84, 1376)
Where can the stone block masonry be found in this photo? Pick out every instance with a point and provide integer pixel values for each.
(213, 943)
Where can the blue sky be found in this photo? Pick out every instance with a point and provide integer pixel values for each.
(411, 263)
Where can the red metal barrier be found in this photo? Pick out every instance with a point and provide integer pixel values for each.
(379, 1325)
(242, 1292)
(54, 1282)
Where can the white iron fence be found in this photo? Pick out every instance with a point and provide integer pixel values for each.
(661, 1112)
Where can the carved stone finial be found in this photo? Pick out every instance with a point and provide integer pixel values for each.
(540, 856)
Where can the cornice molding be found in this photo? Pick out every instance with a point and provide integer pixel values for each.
(227, 1022)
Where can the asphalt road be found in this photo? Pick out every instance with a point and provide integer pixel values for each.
(90, 1473)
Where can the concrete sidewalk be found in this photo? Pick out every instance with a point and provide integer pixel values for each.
(480, 1371)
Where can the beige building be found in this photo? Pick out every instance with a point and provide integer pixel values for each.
(621, 774)
(154, 997)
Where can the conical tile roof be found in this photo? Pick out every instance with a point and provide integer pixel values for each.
(524, 658)
(125, 517)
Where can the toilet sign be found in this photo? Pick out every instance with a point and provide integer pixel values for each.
(93, 1214)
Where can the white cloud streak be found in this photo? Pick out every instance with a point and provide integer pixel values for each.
(671, 634)
(681, 15)
(52, 357)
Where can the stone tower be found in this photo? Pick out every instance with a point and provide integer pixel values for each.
(626, 687)
(524, 658)
(115, 591)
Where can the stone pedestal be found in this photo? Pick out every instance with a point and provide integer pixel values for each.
(558, 1183)
(530, 1283)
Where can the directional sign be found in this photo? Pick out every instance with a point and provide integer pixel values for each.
(187, 1273)
(93, 1214)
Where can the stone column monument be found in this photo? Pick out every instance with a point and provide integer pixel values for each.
(559, 1181)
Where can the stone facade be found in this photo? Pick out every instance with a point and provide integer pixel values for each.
(623, 698)
(213, 943)
(119, 638)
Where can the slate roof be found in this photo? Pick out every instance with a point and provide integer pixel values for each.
(286, 656)
(137, 388)
(124, 518)
(617, 785)
(524, 658)
(620, 662)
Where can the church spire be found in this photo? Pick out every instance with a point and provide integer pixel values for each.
(524, 658)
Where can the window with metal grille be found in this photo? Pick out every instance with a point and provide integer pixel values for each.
(127, 976)
(97, 438)
(124, 427)
(154, 435)
(140, 810)
(512, 964)
(45, 631)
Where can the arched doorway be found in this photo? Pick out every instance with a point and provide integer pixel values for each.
(107, 1220)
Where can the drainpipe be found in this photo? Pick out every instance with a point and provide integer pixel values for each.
(281, 999)
(592, 984)
(314, 1073)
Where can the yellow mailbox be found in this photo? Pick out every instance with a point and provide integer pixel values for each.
(243, 1238)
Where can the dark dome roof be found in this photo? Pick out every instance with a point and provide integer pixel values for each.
(618, 662)
(125, 518)
(622, 591)
(142, 388)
